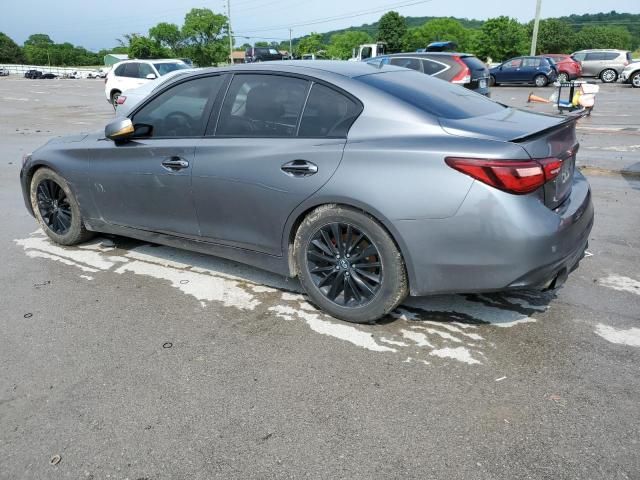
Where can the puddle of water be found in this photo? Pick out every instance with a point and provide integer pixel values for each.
(448, 327)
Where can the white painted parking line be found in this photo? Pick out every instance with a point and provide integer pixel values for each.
(621, 283)
(630, 337)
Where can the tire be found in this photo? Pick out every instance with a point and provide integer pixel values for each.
(114, 98)
(609, 75)
(363, 293)
(59, 214)
(635, 80)
(563, 77)
(541, 80)
(492, 81)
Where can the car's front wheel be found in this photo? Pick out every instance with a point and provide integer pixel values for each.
(349, 265)
(56, 208)
(492, 81)
(541, 80)
(563, 77)
(635, 80)
(609, 75)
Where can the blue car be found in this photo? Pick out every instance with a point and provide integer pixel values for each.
(538, 71)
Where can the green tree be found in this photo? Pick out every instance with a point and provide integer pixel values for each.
(592, 36)
(167, 34)
(342, 44)
(144, 47)
(554, 36)
(10, 52)
(392, 28)
(206, 36)
(438, 29)
(38, 39)
(261, 44)
(312, 43)
(502, 38)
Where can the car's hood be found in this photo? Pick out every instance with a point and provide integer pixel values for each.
(506, 125)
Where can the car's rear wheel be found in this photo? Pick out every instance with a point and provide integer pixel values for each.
(635, 80)
(56, 208)
(541, 80)
(609, 75)
(349, 265)
(563, 77)
(114, 98)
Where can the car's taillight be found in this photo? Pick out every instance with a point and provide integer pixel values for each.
(121, 99)
(513, 176)
(464, 75)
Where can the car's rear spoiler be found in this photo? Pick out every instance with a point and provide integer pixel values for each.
(570, 119)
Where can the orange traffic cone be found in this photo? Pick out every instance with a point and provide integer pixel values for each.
(535, 98)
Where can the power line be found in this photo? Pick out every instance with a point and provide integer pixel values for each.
(340, 17)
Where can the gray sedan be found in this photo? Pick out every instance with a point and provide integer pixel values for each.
(366, 182)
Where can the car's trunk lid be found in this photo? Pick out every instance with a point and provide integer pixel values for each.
(541, 136)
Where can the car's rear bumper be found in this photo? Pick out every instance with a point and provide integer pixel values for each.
(497, 241)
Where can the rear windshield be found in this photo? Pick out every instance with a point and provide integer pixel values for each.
(164, 68)
(474, 63)
(434, 96)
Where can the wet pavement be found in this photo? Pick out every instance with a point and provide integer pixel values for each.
(122, 359)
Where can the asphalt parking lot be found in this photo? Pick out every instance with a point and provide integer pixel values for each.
(126, 360)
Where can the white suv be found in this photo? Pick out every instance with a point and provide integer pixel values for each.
(134, 73)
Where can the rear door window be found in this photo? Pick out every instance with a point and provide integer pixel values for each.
(431, 67)
(531, 62)
(328, 113)
(611, 55)
(262, 106)
(412, 63)
(180, 111)
(131, 70)
(593, 56)
(441, 99)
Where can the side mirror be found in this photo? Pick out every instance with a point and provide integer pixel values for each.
(151, 76)
(120, 129)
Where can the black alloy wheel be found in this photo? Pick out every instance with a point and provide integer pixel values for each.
(54, 206)
(345, 265)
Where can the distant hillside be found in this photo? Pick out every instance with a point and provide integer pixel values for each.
(613, 18)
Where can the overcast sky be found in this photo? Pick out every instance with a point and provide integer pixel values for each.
(96, 24)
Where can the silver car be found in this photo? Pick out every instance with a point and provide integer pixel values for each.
(607, 65)
(366, 182)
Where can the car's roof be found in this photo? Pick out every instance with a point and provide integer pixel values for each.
(601, 50)
(310, 67)
(152, 60)
(427, 54)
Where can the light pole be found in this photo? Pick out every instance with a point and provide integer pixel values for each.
(290, 47)
(230, 35)
(536, 23)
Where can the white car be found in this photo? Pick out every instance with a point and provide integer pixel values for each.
(131, 74)
(128, 99)
(631, 74)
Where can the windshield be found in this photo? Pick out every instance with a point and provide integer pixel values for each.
(164, 68)
(432, 95)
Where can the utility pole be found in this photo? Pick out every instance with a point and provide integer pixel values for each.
(536, 23)
(229, 29)
(290, 45)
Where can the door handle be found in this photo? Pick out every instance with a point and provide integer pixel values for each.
(173, 164)
(299, 168)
